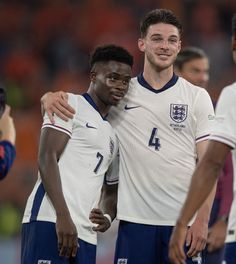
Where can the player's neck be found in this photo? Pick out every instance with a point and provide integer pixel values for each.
(102, 107)
(157, 78)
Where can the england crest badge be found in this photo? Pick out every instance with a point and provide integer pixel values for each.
(178, 112)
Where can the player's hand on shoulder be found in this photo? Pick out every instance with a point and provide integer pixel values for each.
(102, 221)
(56, 103)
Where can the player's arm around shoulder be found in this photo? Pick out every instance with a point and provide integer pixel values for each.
(56, 103)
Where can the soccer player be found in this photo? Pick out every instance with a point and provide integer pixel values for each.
(222, 141)
(7, 142)
(162, 125)
(73, 159)
(193, 64)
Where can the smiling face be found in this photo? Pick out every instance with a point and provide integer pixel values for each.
(160, 45)
(110, 81)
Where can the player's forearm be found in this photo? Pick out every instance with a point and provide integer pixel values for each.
(205, 210)
(203, 181)
(226, 186)
(108, 200)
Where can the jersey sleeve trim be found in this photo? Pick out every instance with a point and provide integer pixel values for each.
(111, 182)
(62, 129)
(205, 137)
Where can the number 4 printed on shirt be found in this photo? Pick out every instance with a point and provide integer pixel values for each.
(154, 141)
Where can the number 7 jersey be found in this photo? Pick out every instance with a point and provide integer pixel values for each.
(158, 131)
(86, 158)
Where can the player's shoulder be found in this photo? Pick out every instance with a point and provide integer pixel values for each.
(191, 88)
(74, 97)
(229, 90)
(189, 85)
(77, 101)
(228, 96)
(133, 82)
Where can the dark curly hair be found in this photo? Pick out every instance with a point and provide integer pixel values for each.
(111, 52)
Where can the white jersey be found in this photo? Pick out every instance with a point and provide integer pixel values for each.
(89, 152)
(158, 131)
(224, 131)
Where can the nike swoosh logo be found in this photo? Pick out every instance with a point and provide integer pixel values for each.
(87, 125)
(131, 107)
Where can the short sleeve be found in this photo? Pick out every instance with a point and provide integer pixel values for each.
(204, 114)
(112, 174)
(224, 128)
(61, 125)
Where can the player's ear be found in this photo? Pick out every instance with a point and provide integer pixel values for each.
(141, 44)
(92, 76)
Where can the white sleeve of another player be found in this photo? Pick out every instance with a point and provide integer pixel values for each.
(204, 114)
(61, 125)
(224, 128)
(112, 174)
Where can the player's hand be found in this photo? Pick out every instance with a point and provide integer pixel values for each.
(216, 236)
(67, 236)
(176, 244)
(96, 217)
(196, 237)
(7, 128)
(56, 103)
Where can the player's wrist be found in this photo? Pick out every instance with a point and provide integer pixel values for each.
(108, 217)
(181, 223)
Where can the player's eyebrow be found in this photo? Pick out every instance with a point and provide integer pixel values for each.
(160, 35)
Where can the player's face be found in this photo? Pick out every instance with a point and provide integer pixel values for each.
(112, 81)
(196, 71)
(161, 45)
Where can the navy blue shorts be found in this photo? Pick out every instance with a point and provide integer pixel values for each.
(39, 246)
(230, 253)
(142, 244)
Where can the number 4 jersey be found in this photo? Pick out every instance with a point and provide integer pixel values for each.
(158, 131)
(87, 156)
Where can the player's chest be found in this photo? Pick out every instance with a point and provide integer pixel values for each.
(169, 112)
(93, 132)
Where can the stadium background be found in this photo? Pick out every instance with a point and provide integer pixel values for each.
(45, 45)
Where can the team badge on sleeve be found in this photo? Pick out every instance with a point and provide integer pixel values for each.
(178, 112)
(112, 144)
